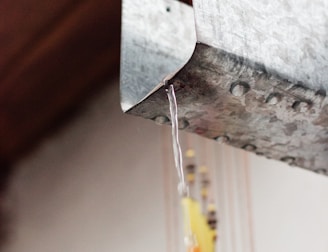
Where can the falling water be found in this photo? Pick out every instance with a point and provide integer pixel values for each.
(182, 186)
(200, 234)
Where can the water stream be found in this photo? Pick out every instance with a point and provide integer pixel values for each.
(183, 187)
(178, 160)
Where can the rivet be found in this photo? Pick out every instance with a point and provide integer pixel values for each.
(301, 106)
(322, 171)
(161, 120)
(249, 147)
(273, 98)
(321, 93)
(183, 123)
(239, 88)
(289, 160)
(222, 139)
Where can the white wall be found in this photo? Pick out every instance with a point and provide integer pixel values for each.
(290, 207)
(98, 186)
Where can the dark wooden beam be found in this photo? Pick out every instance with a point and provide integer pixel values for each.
(53, 55)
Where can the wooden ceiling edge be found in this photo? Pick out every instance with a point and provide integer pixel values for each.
(105, 66)
(64, 115)
(44, 41)
(41, 34)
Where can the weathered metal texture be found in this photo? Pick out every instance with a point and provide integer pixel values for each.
(158, 38)
(270, 99)
(289, 36)
(222, 96)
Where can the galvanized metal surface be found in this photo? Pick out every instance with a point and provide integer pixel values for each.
(158, 38)
(221, 96)
(289, 36)
(271, 99)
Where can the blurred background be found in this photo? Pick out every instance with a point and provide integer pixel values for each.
(79, 175)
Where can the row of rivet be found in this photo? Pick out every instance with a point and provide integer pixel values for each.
(250, 147)
(240, 88)
(160, 120)
(224, 139)
(321, 171)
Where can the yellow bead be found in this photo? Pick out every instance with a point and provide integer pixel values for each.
(190, 153)
(211, 208)
(190, 177)
(203, 169)
(204, 192)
